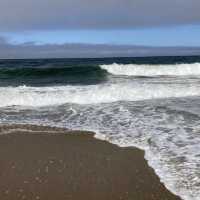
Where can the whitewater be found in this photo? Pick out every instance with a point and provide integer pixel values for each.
(153, 70)
(155, 107)
(108, 93)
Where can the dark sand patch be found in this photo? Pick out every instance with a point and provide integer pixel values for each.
(75, 166)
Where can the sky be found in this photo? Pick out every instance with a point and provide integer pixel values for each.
(103, 26)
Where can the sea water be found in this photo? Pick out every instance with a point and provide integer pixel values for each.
(150, 103)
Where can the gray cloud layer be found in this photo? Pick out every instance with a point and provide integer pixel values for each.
(79, 14)
(30, 50)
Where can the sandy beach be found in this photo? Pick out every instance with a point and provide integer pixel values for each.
(44, 163)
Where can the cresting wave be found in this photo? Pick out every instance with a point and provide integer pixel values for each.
(43, 76)
(153, 70)
(94, 94)
(47, 71)
(100, 71)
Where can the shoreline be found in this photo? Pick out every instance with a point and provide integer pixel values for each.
(39, 162)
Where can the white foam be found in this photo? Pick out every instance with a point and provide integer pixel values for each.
(105, 93)
(153, 70)
(169, 136)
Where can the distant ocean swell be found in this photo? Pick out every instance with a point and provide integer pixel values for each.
(152, 105)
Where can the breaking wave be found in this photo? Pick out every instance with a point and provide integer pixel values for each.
(105, 93)
(34, 76)
(153, 70)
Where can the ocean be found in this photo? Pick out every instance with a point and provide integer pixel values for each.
(151, 103)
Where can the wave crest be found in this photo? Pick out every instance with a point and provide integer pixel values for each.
(153, 70)
(34, 76)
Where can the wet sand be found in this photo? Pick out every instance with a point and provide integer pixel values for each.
(41, 163)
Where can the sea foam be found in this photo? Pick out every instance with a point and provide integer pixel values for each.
(104, 93)
(153, 70)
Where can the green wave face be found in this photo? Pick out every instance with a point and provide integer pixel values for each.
(52, 75)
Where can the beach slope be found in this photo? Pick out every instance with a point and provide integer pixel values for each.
(44, 163)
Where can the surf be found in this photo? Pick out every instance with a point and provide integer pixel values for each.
(93, 94)
(51, 75)
(153, 70)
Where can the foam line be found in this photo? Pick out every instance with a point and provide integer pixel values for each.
(153, 70)
(105, 93)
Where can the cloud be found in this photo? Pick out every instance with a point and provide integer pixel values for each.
(18, 15)
(31, 50)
